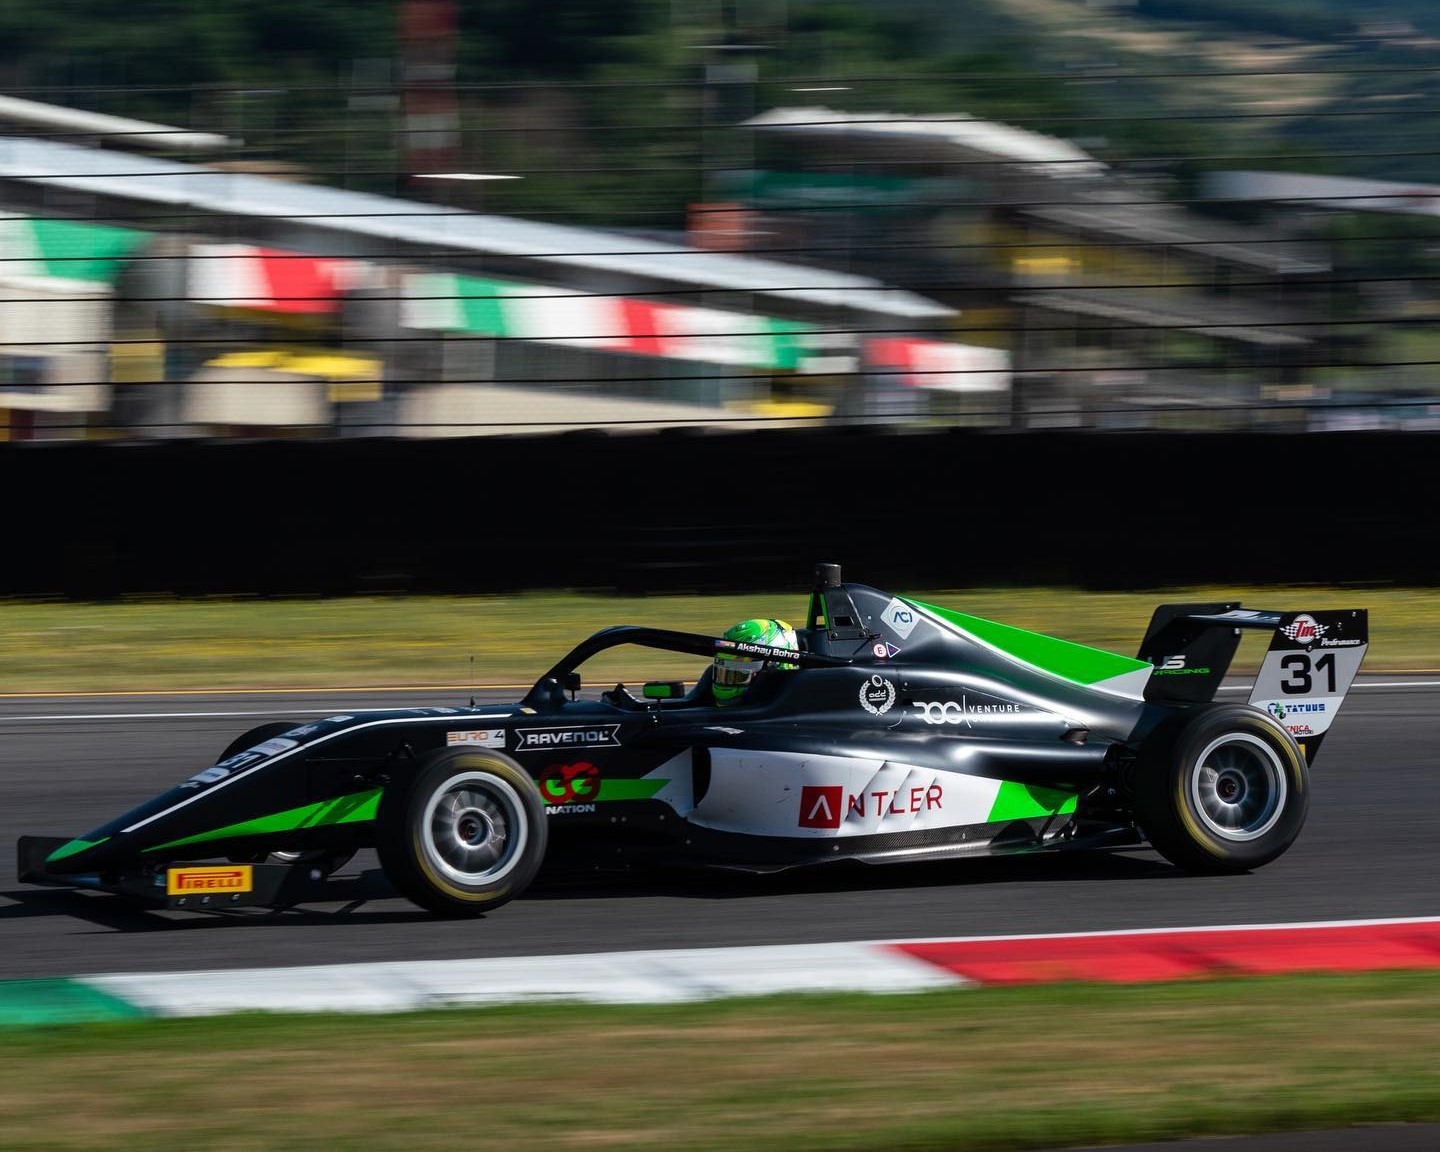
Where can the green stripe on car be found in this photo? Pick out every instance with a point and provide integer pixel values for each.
(1064, 658)
(356, 808)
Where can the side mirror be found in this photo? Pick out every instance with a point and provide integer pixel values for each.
(663, 690)
(572, 683)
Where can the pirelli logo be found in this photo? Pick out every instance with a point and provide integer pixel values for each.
(222, 878)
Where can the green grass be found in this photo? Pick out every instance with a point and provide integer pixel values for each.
(991, 1068)
(152, 644)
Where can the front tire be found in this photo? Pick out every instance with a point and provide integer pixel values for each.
(327, 861)
(1227, 792)
(464, 835)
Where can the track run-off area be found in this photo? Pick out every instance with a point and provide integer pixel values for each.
(68, 763)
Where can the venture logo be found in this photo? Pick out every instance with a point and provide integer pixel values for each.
(962, 711)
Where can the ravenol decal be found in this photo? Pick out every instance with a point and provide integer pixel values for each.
(186, 881)
(1304, 629)
(548, 739)
(900, 618)
(877, 695)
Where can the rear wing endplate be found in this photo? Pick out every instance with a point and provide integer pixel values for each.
(1312, 660)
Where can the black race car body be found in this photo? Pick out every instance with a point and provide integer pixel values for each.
(901, 730)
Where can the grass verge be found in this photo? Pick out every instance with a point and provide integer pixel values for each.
(153, 644)
(991, 1068)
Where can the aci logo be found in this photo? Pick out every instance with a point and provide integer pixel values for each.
(900, 618)
(566, 783)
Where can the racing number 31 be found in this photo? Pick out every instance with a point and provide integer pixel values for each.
(1297, 681)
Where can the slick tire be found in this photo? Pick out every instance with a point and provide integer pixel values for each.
(257, 735)
(464, 834)
(1226, 791)
(327, 861)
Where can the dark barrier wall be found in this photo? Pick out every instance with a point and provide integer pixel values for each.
(745, 511)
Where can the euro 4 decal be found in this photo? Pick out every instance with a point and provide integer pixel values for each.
(877, 695)
(549, 739)
(900, 618)
(480, 737)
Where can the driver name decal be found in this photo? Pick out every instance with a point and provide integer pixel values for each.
(548, 739)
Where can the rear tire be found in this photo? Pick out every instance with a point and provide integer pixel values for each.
(1226, 792)
(463, 835)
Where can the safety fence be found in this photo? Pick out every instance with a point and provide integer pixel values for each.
(678, 510)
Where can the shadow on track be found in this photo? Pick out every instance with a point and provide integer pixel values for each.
(350, 898)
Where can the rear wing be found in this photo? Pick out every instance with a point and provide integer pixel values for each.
(1312, 660)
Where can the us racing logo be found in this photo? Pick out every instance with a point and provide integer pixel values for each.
(877, 695)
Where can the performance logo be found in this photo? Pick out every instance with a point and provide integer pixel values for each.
(549, 739)
(188, 881)
(900, 618)
(1304, 629)
(877, 695)
(567, 783)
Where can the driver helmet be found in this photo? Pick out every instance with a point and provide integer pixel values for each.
(734, 672)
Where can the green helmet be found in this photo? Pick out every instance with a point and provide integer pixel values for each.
(733, 673)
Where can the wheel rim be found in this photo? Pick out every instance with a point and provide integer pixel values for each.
(1238, 786)
(474, 828)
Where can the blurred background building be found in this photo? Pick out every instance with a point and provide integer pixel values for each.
(728, 214)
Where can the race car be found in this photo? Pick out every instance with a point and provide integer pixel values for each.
(890, 730)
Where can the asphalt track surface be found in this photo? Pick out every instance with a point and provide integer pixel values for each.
(67, 764)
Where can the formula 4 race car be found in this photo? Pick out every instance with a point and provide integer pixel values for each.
(899, 731)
